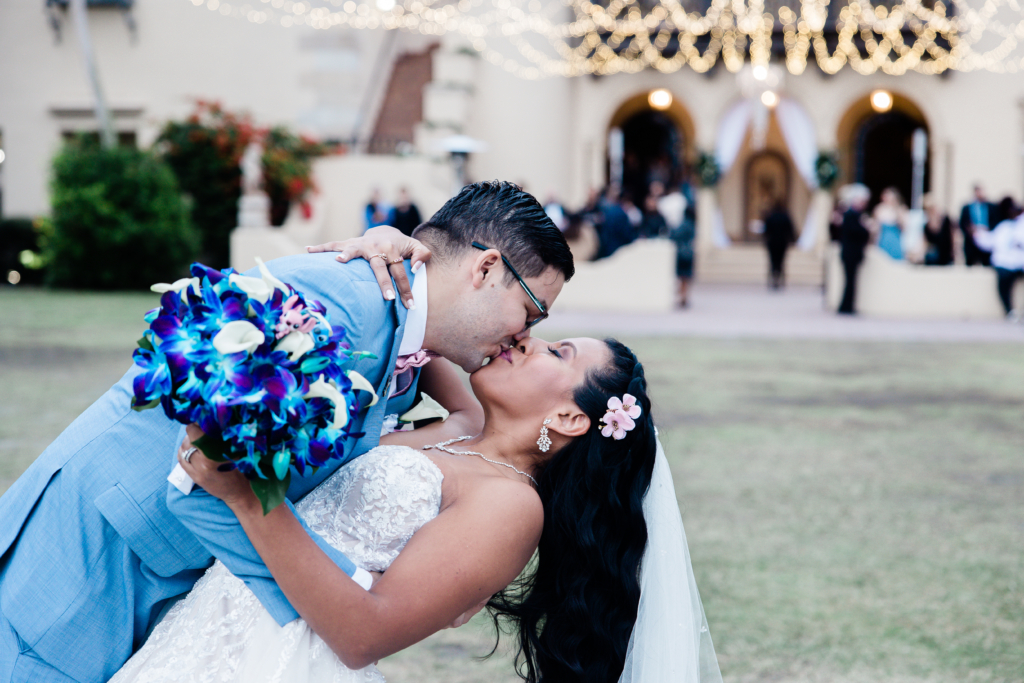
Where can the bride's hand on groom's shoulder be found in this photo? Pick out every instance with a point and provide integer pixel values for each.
(231, 487)
(375, 245)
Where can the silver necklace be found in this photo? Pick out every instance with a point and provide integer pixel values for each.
(441, 447)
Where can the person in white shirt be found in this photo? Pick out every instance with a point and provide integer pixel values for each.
(1006, 244)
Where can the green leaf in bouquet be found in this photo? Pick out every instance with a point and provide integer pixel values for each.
(311, 365)
(213, 447)
(271, 492)
(137, 407)
(144, 343)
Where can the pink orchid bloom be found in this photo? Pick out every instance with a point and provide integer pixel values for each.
(616, 424)
(627, 405)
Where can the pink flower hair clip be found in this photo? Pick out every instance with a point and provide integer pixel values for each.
(619, 417)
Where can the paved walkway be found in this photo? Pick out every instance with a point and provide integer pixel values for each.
(741, 311)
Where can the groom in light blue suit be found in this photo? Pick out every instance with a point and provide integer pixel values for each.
(93, 541)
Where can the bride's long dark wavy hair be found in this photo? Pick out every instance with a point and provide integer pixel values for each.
(574, 612)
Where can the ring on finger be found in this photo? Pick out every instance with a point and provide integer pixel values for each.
(187, 455)
(383, 257)
(397, 260)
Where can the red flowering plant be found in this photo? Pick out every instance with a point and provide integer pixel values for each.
(288, 170)
(204, 151)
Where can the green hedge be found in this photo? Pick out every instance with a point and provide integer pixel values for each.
(118, 220)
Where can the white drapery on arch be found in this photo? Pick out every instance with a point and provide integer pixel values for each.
(798, 132)
(732, 130)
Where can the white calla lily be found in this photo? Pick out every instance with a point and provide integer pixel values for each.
(296, 344)
(426, 409)
(270, 279)
(237, 336)
(360, 382)
(323, 389)
(259, 288)
(181, 285)
(255, 287)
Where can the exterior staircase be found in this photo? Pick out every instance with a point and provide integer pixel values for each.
(748, 264)
(402, 108)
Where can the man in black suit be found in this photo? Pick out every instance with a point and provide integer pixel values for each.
(979, 213)
(405, 215)
(778, 235)
(853, 238)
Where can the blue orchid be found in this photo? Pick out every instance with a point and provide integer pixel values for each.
(154, 381)
(218, 310)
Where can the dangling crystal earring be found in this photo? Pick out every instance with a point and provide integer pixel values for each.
(544, 442)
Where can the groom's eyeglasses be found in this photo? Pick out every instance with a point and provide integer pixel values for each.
(535, 300)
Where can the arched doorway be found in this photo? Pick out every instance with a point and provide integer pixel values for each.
(656, 144)
(877, 146)
(767, 184)
(759, 168)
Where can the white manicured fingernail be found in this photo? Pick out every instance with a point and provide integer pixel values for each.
(343, 256)
(412, 305)
(389, 295)
(416, 266)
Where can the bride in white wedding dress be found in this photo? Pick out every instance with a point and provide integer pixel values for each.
(220, 632)
(561, 468)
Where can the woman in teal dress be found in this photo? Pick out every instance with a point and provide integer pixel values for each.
(889, 216)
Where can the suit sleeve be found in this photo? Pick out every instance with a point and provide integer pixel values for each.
(207, 517)
(219, 531)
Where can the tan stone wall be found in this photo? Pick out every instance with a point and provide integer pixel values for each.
(310, 80)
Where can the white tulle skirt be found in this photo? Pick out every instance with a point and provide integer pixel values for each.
(220, 632)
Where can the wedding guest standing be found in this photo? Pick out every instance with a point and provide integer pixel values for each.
(376, 211)
(615, 229)
(979, 213)
(778, 235)
(1005, 243)
(653, 223)
(938, 234)
(890, 216)
(853, 237)
(406, 215)
(677, 208)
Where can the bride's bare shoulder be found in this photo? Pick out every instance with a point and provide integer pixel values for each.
(506, 501)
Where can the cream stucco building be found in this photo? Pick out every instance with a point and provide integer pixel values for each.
(550, 134)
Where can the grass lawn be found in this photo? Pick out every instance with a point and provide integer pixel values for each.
(854, 510)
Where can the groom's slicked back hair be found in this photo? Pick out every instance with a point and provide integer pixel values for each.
(503, 216)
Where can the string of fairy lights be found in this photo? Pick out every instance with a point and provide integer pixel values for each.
(535, 38)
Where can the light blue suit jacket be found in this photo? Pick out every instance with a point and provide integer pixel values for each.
(94, 540)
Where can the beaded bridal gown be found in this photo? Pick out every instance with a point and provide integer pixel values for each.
(368, 509)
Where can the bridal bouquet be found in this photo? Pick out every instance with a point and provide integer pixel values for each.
(258, 367)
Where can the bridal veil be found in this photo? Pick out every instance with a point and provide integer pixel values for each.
(670, 640)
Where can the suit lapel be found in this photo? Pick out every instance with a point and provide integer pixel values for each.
(374, 419)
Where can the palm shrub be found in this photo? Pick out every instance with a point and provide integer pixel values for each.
(118, 220)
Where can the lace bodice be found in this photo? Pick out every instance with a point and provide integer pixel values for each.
(368, 509)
